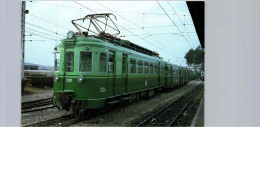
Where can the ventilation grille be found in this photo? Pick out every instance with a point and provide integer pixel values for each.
(69, 42)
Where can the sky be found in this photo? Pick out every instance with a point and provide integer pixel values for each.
(49, 21)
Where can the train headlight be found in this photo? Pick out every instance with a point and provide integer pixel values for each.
(70, 34)
(81, 79)
(56, 78)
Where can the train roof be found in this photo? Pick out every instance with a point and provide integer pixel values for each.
(129, 45)
(107, 41)
(125, 45)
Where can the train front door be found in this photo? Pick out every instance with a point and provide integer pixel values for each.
(68, 69)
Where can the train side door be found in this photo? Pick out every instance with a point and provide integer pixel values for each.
(159, 73)
(180, 75)
(162, 76)
(124, 75)
(171, 76)
(111, 73)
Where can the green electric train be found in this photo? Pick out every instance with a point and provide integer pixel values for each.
(91, 72)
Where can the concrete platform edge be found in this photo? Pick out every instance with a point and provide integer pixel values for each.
(198, 113)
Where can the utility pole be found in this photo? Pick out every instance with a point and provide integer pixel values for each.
(23, 35)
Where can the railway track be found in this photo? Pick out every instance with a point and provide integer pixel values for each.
(62, 121)
(37, 105)
(166, 116)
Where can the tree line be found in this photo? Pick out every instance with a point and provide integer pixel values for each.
(195, 58)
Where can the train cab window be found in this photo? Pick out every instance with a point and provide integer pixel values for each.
(146, 67)
(156, 68)
(123, 63)
(103, 62)
(151, 68)
(132, 66)
(57, 61)
(85, 61)
(140, 66)
(69, 61)
(162, 69)
(111, 62)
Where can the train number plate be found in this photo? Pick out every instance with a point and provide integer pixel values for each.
(102, 89)
(145, 83)
(69, 80)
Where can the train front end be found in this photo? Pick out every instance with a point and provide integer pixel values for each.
(75, 78)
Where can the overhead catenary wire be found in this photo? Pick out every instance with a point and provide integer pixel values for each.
(84, 6)
(126, 29)
(138, 26)
(173, 23)
(151, 13)
(37, 40)
(48, 21)
(153, 34)
(57, 17)
(28, 23)
(40, 35)
(123, 27)
(181, 21)
(152, 27)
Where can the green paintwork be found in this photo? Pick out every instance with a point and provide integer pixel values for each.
(98, 87)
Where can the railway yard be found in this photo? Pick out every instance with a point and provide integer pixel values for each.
(176, 108)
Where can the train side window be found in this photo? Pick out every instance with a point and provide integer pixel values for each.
(103, 62)
(85, 61)
(151, 68)
(132, 66)
(156, 68)
(57, 61)
(174, 71)
(140, 66)
(111, 62)
(146, 67)
(123, 63)
(69, 61)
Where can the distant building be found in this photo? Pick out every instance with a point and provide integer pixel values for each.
(28, 66)
(194, 69)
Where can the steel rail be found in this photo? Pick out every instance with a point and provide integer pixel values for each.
(51, 121)
(36, 100)
(169, 105)
(158, 112)
(183, 109)
(38, 109)
(36, 103)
